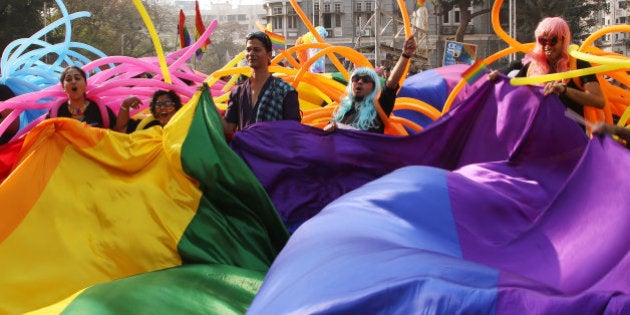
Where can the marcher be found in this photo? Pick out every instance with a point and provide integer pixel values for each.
(262, 97)
(74, 83)
(164, 105)
(364, 92)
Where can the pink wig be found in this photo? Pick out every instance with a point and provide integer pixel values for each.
(550, 27)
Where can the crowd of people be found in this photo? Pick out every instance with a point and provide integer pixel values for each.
(367, 103)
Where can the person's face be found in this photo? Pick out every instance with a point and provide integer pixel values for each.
(255, 54)
(552, 46)
(362, 85)
(164, 109)
(74, 84)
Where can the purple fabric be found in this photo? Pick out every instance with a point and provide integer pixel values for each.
(531, 197)
(304, 169)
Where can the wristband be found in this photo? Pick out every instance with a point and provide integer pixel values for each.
(406, 56)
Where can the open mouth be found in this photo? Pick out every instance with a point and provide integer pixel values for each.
(165, 112)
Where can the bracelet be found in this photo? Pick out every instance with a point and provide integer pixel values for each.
(406, 56)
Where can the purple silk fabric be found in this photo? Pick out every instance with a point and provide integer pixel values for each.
(303, 169)
(530, 197)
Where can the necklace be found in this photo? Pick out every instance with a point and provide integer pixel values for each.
(77, 112)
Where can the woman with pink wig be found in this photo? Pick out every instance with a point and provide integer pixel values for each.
(550, 55)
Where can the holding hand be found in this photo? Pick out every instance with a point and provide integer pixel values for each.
(131, 102)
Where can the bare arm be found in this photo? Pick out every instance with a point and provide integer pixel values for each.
(601, 127)
(591, 96)
(123, 114)
(409, 48)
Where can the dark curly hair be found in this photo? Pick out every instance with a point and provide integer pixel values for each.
(171, 95)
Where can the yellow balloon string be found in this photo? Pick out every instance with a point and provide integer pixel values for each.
(156, 40)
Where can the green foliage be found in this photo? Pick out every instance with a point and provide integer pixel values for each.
(20, 18)
(579, 15)
(115, 26)
(227, 41)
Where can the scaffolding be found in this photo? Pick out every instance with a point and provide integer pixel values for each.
(371, 38)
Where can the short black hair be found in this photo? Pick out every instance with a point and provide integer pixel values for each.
(261, 36)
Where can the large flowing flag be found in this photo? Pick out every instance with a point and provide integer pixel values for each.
(182, 31)
(162, 220)
(491, 210)
(199, 29)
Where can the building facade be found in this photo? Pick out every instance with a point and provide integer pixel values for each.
(617, 13)
(362, 24)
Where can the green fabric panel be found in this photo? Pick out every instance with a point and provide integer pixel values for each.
(236, 223)
(188, 289)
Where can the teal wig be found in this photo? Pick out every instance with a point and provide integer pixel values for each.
(366, 108)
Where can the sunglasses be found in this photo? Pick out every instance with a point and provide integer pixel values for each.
(365, 78)
(164, 104)
(551, 42)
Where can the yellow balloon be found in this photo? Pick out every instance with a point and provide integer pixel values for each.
(156, 40)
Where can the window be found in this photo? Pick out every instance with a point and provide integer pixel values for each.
(277, 22)
(359, 7)
(326, 7)
(277, 10)
(337, 7)
(368, 6)
(292, 21)
(338, 21)
(316, 8)
(327, 21)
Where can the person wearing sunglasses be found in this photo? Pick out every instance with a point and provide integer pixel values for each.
(261, 97)
(550, 55)
(357, 110)
(164, 104)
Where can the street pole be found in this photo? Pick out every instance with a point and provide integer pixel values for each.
(122, 44)
(377, 33)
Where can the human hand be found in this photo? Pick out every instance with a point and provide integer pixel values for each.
(493, 75)
(330, 127)
(600, 128)
(410, 46)
(131, 102)
(555, 87)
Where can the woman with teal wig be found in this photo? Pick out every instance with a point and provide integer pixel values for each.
(364, 92)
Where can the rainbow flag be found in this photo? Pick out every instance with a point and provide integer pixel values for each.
(96, 220)
(278, 41)
(420, 3)
(182, 31)
(200, 28)
(476, 70)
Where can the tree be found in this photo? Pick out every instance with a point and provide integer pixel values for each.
(20, 19)
(580, 15)
(227, 41)
(115, 26)
(445, 6)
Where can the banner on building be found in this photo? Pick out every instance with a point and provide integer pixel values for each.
(456, 53)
